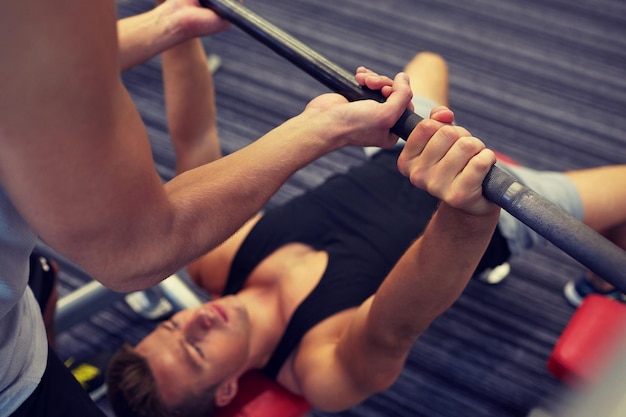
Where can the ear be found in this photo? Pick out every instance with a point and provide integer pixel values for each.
(226, 392)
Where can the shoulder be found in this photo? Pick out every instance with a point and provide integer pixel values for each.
(315, 371)
(335, 368)
(211, 270)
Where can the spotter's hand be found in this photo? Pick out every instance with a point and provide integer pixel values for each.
(368, 78)
(365, 122)
(191, 19)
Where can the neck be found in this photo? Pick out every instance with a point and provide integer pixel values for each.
(287, 277)
(266, 323)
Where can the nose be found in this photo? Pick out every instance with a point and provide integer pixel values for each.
(199, 324)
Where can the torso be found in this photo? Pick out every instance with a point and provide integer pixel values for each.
(295, 270)
(324, 254)
(321, 247)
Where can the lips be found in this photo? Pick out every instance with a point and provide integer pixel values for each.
(221, 312)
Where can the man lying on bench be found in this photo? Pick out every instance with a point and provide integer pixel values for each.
(327, 293)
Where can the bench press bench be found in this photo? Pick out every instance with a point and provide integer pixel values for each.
(590, 342)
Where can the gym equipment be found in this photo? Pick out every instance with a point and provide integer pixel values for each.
(92, 297)
(260, 396)
(564, 231)
(171, 294)
(590, 341)
(83, 302)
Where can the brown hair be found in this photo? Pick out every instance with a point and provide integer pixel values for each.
(133, 391)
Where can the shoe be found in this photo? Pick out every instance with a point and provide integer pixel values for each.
(495, 275)
(90, 373)
(214, 62)
(576, 291)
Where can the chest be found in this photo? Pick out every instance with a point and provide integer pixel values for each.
(292, 271)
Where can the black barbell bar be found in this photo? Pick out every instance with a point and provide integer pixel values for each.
(564, 231)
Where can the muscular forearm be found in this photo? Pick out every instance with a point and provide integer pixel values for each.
(83, 176)
(203, 207)
(190, 102)
(430, 276)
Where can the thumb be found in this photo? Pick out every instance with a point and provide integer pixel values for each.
(442, 114)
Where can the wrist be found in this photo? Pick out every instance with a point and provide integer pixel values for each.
(470, 222)
(147, 34)
(169, 24)
(319, 131)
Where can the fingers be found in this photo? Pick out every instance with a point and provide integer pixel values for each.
(472, 174)
(397, 92)
(437, 147)
(372, 80)
(417, 141)
(448, 162)
(462, 160)
(439, 117)
(400, 91)
(367, 122)
(442, 114)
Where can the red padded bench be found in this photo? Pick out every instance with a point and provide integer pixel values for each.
(589, 342)
(260, 396)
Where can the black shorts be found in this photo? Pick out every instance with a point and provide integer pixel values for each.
(58, 394)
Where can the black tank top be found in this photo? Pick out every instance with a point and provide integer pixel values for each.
(364, 219)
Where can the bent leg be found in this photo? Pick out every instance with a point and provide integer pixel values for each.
(596, 196)
(190, 103)
(603, 194)
(428, 73)
(602, 191)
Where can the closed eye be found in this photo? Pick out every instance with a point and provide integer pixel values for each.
(169, 325)
(198, 350)
(173, 325)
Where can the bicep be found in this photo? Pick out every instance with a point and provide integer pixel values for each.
(337, 374)
(75, 153)
(324, 380)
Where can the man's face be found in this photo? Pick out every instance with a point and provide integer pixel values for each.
(198, 348)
